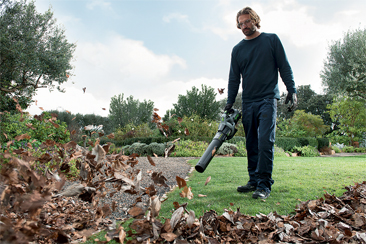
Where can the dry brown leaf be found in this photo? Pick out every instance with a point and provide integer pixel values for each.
(213, 151)
(150, 160)
(186, 131)
(180, 120)
(191, 218)
(187, 192)
(155, 206)
(176, 205)
(181, 182)
(176, 216)
(208, 180)
(22, 137)
(110, 136)
(169, 236)
(136, 211)
(121, 235)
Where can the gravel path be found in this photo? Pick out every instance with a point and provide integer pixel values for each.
(170, 168)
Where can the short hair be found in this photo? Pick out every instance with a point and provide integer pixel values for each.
(253, 15)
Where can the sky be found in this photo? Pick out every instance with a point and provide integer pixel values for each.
(158, 49)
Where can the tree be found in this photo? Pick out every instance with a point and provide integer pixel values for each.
(34, 52)
(236, 105)
(344, 71)
(123, 112)
(309, 101)
(351, 117)
(202, 103)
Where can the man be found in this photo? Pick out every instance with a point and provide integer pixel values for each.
(257, 59)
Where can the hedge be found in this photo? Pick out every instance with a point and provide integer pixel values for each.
(149, 140)
(286, 143)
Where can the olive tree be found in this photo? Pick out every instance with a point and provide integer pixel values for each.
(34, 52)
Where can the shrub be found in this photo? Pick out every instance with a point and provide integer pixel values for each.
(306, 151)
(188, 148)
(138, 148)
(360, 149)
(287, 143)
(336, 149)
(132, 131)
(279, 152)
(157, 148)
(322, 142)
(237, 139)
(39, 128)
(126, 150)
(348, 149)
(242, 151)
(226, 149)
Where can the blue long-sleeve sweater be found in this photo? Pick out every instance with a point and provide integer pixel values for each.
(258, 62)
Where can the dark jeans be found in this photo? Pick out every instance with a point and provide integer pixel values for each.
(259, 121)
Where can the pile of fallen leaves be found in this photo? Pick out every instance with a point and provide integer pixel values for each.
(326, 220)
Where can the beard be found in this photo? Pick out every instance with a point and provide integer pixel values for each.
(249, 31)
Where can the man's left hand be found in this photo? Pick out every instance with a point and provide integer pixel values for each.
(292, 98)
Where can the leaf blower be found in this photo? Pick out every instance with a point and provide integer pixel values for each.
(226, 131)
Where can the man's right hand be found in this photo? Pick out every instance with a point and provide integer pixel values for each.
(229, 108)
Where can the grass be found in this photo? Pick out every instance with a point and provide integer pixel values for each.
(296, 179)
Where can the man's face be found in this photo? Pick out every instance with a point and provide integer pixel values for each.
(246, 24)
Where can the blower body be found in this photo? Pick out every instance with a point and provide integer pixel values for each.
(226, 131)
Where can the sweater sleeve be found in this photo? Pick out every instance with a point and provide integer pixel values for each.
(284, 66)
(234, 79)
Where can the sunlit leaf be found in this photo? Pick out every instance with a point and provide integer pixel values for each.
(208, 180)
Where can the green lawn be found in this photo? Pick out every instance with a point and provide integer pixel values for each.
(296, 179)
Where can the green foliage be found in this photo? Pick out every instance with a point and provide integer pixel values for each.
(138, 148)
(125, 150)
(190, 148)
(301, 125)
(323, 142)
(344, 71)
(195, 125)
(308, 101)
(132, 131)
(360, 150)
(350, 115)
(34, 52)
(39, 129)
(226, 149)
(236, 105)
(129, 111)
(279, 152)
(306, 151)
(157, 148)
(308, 141)
(287, 143)
(236, 139)
(348, 149)
(336, 149)
(202, 103)
(242, 150)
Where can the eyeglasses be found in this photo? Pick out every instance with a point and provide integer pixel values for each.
(245, 23)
